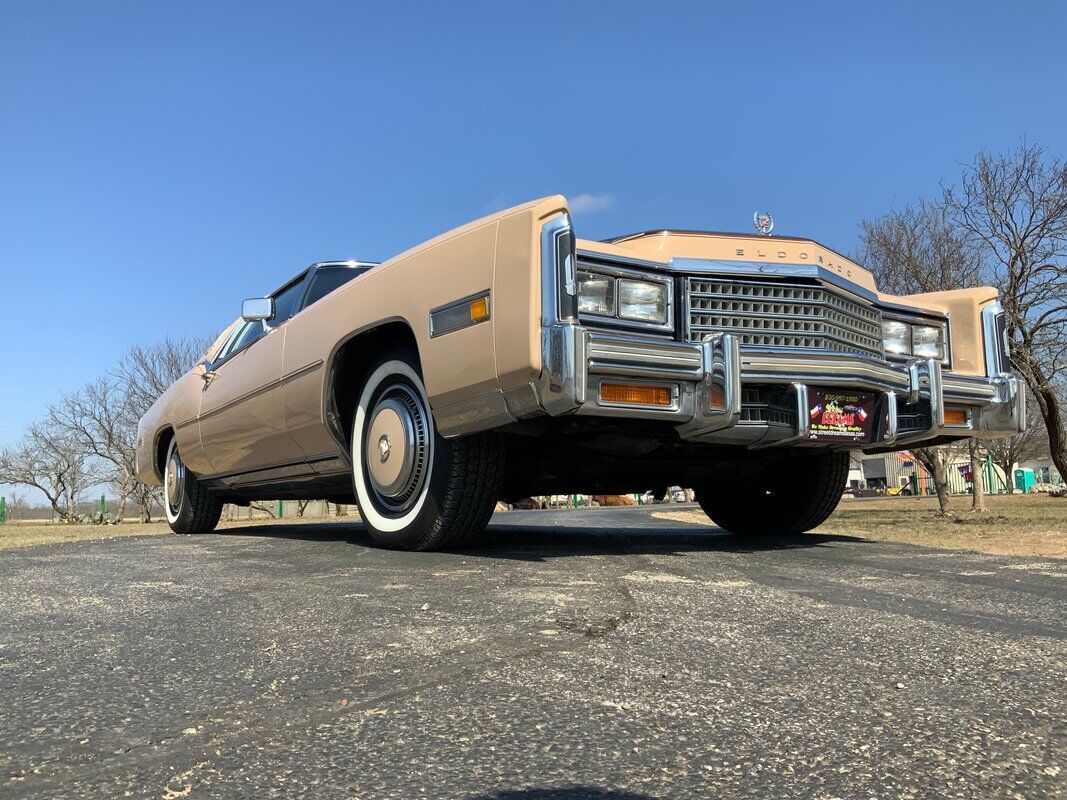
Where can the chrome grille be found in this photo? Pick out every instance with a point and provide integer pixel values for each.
(788, 315)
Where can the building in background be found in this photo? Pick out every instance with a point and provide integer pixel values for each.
(901, 473)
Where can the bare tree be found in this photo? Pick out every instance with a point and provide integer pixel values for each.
(1011, 450)
(15, 506)
(913, 250)
(975, 453)
(1015, 207)
(301, 507)
(266, 508)
(936, 461)
(919, 249)
(142, 375)
(96, 419)
(53, 462)
(147, 372)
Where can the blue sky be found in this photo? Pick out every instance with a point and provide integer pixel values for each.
(161, 161)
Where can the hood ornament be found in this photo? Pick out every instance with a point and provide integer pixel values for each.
(764, 223)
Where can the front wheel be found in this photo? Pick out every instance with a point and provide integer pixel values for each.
(190, 507)
(782, 497)
(415, 489)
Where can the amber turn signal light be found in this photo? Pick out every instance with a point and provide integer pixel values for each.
(635, 395)
(479, 309)
(956, 416)
(717, 399)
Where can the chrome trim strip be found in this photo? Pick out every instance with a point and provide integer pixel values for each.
(279, 469)
(296, 373)
(261, 389)
(722, 372)
(896, 310)
(350, 263)
(563, 373)
(892, 423)
(550, 288)
(607, 260)
(621, 355)
(821, 367)
(778, 270)
(995, 345)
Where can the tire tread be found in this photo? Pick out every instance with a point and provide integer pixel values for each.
(474, 482)
(802, 503)
(201, 509)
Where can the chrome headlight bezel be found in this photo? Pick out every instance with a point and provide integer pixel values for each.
(907, 337)
(626, 281)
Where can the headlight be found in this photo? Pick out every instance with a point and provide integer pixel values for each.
(928, 341)
(596, 294)
(896, 337)
(913, 339)
(625, 298)
(642, 301)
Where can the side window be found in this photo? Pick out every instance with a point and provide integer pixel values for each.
(329, 279)
(285, 302)
(248, 334)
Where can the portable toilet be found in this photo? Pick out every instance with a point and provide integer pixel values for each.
(1024, 479)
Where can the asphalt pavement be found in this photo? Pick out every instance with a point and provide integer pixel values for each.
(597, 653)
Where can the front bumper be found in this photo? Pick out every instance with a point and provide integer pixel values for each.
(761, 394)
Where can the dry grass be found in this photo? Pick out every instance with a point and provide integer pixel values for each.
(1014, 525)
(25, 534)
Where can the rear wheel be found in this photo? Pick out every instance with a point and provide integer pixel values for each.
(778, 499)
(190, 508)
(415, 489)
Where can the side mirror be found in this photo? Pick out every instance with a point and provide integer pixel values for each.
(257, 309)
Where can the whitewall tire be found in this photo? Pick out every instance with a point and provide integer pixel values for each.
(415, 489)
(189, 506)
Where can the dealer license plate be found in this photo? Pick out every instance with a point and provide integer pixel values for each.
(842, 417)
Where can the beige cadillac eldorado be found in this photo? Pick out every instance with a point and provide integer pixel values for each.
(508, 358)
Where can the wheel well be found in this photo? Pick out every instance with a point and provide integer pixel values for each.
(349, 367)
(162, 445)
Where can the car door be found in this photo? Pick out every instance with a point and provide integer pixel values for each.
(304, 365)
(242, 419)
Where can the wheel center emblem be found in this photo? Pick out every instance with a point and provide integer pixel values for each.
(384, 447)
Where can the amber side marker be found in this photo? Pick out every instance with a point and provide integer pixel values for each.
(479, 309)
(717, 401)
(635, 395)
(955, 416)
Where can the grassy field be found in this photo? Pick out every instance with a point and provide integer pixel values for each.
(1017, 525)
(24, 534)
(1014, 525)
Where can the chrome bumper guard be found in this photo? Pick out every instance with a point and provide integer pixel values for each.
(577, 360)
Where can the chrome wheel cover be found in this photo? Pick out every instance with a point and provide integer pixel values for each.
(173, 480)
(396, 448)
